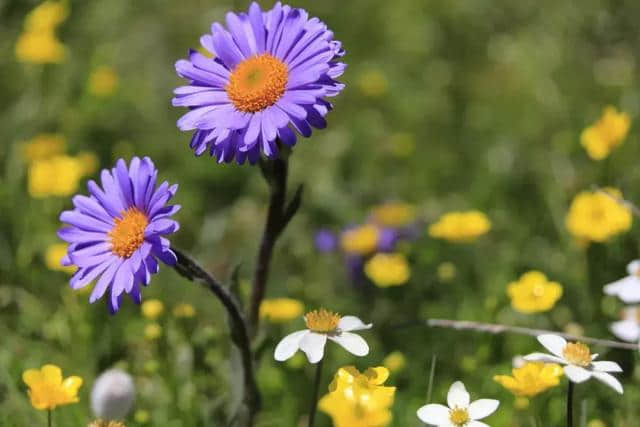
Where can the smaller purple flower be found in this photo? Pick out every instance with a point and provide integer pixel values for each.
(387, 239)
(325, 240)
(115, 234)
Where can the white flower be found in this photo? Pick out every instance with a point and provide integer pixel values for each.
(627, 288)
(323, 325)
(113, 395)
(628, 328)
(580, 364)
(460, 412)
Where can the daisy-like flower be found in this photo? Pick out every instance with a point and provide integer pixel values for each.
(627, 288)
(579, 364)
(270, 74)
(460, 412)
(116, 233)
(323, 325)
(628, 328)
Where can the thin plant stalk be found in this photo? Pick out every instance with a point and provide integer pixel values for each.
(432, 374)
(49, 423)
(570, 404)
(314, 396)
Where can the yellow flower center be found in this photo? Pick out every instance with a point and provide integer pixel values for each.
(322, 320)
(538, 290)
(459, 416)
(257, 83)
(577, 353)
(128, 233)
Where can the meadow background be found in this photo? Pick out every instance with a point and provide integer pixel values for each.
(449, 105)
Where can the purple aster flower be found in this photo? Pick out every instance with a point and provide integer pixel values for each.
(325, 240)
(115, 234)
(270, 74)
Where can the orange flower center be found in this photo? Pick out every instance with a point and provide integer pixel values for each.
(577, 353)
(257, 83)
(322, 321)
(128, 233)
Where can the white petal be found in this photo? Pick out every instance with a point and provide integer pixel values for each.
(554, 343)
(606, 366)
(352, 323)
(544, 357)
(627, 330)
(313, 346)
(627, 289)
(482, 408)
(475, 423)
(288, 346)
(633, 267)
(576, 374)
(609, 380)
(458, 396)
(353, 343)
(434, 414)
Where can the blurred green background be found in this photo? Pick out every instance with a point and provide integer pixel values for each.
(450, 104)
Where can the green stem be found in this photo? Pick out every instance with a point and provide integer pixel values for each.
(570, 405)
(49, 424)
(314, 398)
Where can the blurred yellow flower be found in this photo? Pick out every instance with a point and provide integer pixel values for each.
(596, 216)
(360, 240)
(531, 379)
(141, 416)
(521, 403)
(280, 310)
(53, 256)
(447, 271)
(373, 83)
(44, 146)
(103, 81)
(460, 227)
(57, 176)
(395, 361)
(152, 331)
(386, 270)
(533, 293)
(152, 308)
(184, 310)
(46, 17)
(89, 162)
(40, 48)
(596, 423)
(105, 423)
(393, 214)
(606, 134)
(359, 399)
(47, 388)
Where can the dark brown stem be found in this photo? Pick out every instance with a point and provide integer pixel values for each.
(570, 405)
(314, 397)
(190, 269)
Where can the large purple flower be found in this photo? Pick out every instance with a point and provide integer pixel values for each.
(115, 234)
(269, 75)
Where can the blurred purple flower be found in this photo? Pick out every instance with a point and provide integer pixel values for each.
(116, 234)
(325, 240)
(270, 74)
(387, 239)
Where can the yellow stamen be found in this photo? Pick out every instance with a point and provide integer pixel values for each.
(577, 353)
(128, 233)
(322, 320)
(257, 83)
(459, 416)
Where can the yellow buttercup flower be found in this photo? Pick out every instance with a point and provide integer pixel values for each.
(184, 310)
(57, 176)
(393, 214)
(40, 48)
(360, 240)
(386, 270)
(53, 257)
(533, 293)
(358, 399)
(606, 134)
(152, 331)
(46, 17)
(531, 379)
(395, 361)
(105, 423)
(597, 217)
(460, 227)
(44, 146)
(47, 388)
(152, 308)
(103, 81)
(280, 310)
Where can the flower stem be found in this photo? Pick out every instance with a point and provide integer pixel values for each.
(190, 269)
(49, 424)
(314, 397)
(570, 405)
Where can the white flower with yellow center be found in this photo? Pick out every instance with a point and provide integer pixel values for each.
(460, 412)
(627, 288)
(579, 363)
(628, 329)
(323, 325)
